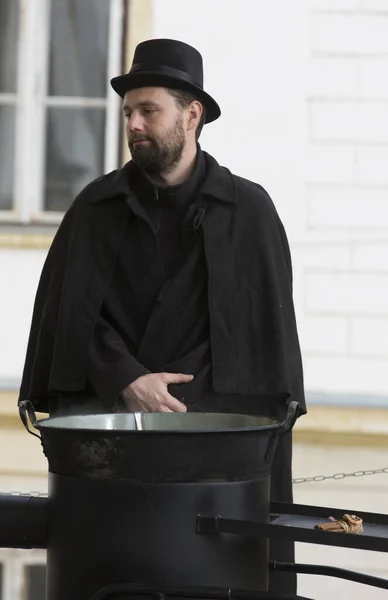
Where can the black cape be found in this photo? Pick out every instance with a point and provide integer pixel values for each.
(254, 341)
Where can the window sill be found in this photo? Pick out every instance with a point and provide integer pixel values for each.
(27, 237)
(343, 426)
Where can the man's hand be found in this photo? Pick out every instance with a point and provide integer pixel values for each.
(149, 393)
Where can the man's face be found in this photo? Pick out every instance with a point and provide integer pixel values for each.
(156, 129)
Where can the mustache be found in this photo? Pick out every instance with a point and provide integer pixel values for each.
(139, 138)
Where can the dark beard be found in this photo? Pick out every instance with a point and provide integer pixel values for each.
(159, 156)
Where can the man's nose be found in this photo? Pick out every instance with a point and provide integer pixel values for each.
(135, 122)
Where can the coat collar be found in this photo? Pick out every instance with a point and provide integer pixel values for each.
(218, 184)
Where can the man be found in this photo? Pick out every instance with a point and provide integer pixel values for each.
(168, 286)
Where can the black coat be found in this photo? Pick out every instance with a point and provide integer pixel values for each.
(254, 341)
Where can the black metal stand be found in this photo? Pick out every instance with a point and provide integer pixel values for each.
(330, 572)
(296, 522)
(23, 521)
(24, 524)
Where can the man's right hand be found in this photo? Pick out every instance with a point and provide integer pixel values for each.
(149, 393)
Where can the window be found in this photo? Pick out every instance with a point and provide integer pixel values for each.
(22, 574)
(35, 582)
(8, 98)
(59, 118)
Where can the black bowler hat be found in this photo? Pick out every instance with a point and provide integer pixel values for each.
(170, 64)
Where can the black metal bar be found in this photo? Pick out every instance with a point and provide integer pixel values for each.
(216, 525)
(23, 521)
(211, 593)
(305, 510)
(329, 571)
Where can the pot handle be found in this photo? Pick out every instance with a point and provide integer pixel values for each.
(26, 411)
(284, 427)
(291, 417)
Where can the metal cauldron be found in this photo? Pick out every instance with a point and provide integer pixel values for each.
(160, 446)
(125, 491)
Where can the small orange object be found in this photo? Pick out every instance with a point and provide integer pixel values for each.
(348, 524)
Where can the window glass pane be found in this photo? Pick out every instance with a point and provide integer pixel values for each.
(74, 153)
(7, 150)
(9, 13)
(79, 48)
(35, 582)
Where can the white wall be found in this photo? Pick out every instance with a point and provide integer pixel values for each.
(346, 199)
(19, 275)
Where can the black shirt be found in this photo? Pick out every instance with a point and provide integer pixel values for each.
(155, 317)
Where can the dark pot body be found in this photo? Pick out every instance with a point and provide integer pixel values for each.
(118, 532)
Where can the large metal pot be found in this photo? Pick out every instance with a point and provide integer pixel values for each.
(160, 446)
(125, 491)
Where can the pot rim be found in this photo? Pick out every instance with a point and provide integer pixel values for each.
(54, 424)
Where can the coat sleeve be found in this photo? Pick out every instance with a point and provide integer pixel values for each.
(40, 347)
(111, 366)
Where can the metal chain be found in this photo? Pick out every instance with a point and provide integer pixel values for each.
(338, 476)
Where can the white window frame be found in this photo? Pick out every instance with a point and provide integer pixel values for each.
(32, 103)
(14, 562)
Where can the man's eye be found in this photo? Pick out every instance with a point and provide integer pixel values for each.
(148, 111)
(127, 115)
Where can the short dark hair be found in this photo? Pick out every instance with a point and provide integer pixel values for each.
(184, 99)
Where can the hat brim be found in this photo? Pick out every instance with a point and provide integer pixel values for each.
(123, 83)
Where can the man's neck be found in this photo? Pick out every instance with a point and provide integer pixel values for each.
(181, 172)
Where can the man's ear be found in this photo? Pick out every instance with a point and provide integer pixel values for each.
(194, 114)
